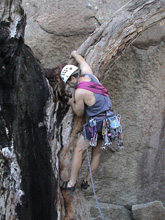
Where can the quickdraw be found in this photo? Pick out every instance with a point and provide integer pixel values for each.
(112, 131)
(92, 124)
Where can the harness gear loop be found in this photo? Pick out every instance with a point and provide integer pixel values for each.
(93, 125)
(111, 130)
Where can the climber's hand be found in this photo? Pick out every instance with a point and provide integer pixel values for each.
(73, 53)
(71, 101)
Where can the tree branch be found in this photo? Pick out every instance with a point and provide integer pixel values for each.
(105, 45)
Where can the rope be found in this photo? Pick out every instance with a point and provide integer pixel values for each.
(90, 171)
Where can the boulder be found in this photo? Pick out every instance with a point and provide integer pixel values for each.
(110, 212)
(152, 211)
(55, 28)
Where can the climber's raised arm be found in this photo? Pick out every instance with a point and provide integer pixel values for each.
(84, 67)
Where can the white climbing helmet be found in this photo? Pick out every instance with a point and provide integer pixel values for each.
(67, 71)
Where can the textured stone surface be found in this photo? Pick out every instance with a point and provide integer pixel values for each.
(10, 182)
(55, 28)
(152, 211)
(111, 212)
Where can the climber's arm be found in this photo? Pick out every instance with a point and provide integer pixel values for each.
(77, 103)
(84, 67)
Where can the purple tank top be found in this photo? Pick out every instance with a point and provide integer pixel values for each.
(103, 102)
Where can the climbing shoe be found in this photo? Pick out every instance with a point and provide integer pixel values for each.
(64, 186)
(84, 185)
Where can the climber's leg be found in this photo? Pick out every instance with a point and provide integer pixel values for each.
(95, 159)
(76, 163)
(77, 159)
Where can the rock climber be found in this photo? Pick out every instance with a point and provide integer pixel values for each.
(90, 97)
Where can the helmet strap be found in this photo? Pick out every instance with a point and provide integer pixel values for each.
(75, 85)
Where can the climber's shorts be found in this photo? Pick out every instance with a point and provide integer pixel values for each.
(89, 130)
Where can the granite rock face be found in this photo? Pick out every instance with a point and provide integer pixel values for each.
(55, 28)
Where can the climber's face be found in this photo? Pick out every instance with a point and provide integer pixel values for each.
(72, 82)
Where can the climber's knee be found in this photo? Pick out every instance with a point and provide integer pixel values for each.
(80, 145)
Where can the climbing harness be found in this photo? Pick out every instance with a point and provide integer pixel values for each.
(90, 171)
(111, 130)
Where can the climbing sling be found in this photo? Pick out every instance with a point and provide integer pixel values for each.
(93, 87)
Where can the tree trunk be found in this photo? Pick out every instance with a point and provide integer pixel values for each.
(36, 125)
(106, 44)
(28, 151)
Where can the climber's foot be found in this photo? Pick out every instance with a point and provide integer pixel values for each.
(65, 185)
(84, 185)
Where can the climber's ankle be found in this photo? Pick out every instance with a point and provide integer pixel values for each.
(70, 183)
